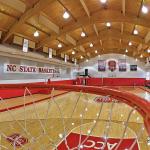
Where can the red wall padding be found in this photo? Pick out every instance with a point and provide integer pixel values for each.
(10, 93)
(124, 81)
(112, 81)
(70, 82)
(95, 81)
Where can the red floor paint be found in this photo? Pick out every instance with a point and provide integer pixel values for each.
(96, 143)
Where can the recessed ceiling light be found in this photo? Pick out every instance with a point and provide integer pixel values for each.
(130, 43)
(36, 33)
(135, 32)
(59, 45)
(66, 15)
(103, 1)
(144, 9)
(141, 56)
(148, 50)
(96, 51)
(126, 50)
(82, 34)
(108, 24)
(73, 52)
(91, 45)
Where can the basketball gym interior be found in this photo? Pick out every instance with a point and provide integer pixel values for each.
(74, 74)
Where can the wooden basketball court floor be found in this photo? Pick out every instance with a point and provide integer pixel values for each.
(45, 123)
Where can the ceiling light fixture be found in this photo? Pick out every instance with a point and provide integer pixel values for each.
(73, 52)
(141, 56)
(87, 60)
(59, 45)
(36, 33)
(148, 50)
(144, 9)
(108, 24)
(81, 57)
(103, 1)
(126, 51)
(66, 15)
(96, 51)
(82, 34)
(135, 32)
(130, 43)
(91, 45)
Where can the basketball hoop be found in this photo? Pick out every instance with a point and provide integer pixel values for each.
(35, 126)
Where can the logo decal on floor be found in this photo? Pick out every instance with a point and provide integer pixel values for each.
(96, 143)
(17, 140)
(105, 99)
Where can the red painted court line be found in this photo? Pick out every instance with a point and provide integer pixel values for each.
(30, 103)
(144, 89)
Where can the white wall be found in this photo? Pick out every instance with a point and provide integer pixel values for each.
(10, 55)
(92, 66)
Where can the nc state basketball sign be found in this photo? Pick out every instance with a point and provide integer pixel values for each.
(13, 68)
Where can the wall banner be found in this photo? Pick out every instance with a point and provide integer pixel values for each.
(15, 68)
(101, 65)
(25, 45)
(122, 65)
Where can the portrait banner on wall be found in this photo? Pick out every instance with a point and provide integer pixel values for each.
(122, 65)
(101, 65)
(133, 67)
(112, 65)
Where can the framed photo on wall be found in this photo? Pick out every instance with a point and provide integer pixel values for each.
(122, 65)
(101, 65)
(133, 67)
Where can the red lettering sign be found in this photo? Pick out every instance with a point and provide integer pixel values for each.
(96, 143)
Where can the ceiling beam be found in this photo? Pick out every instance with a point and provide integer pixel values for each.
(71, 40)
(15, 4)
(95, 29)
(119, 48)
(104, 35)
(28, 14)
(122, 26)
(124, 7)
(95, 55)
(147, 37)
(99, 17)
(85, 8)
(45, 20)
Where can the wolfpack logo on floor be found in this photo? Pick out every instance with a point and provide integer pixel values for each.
(96, 143)
(105, 99)
(17, 140)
